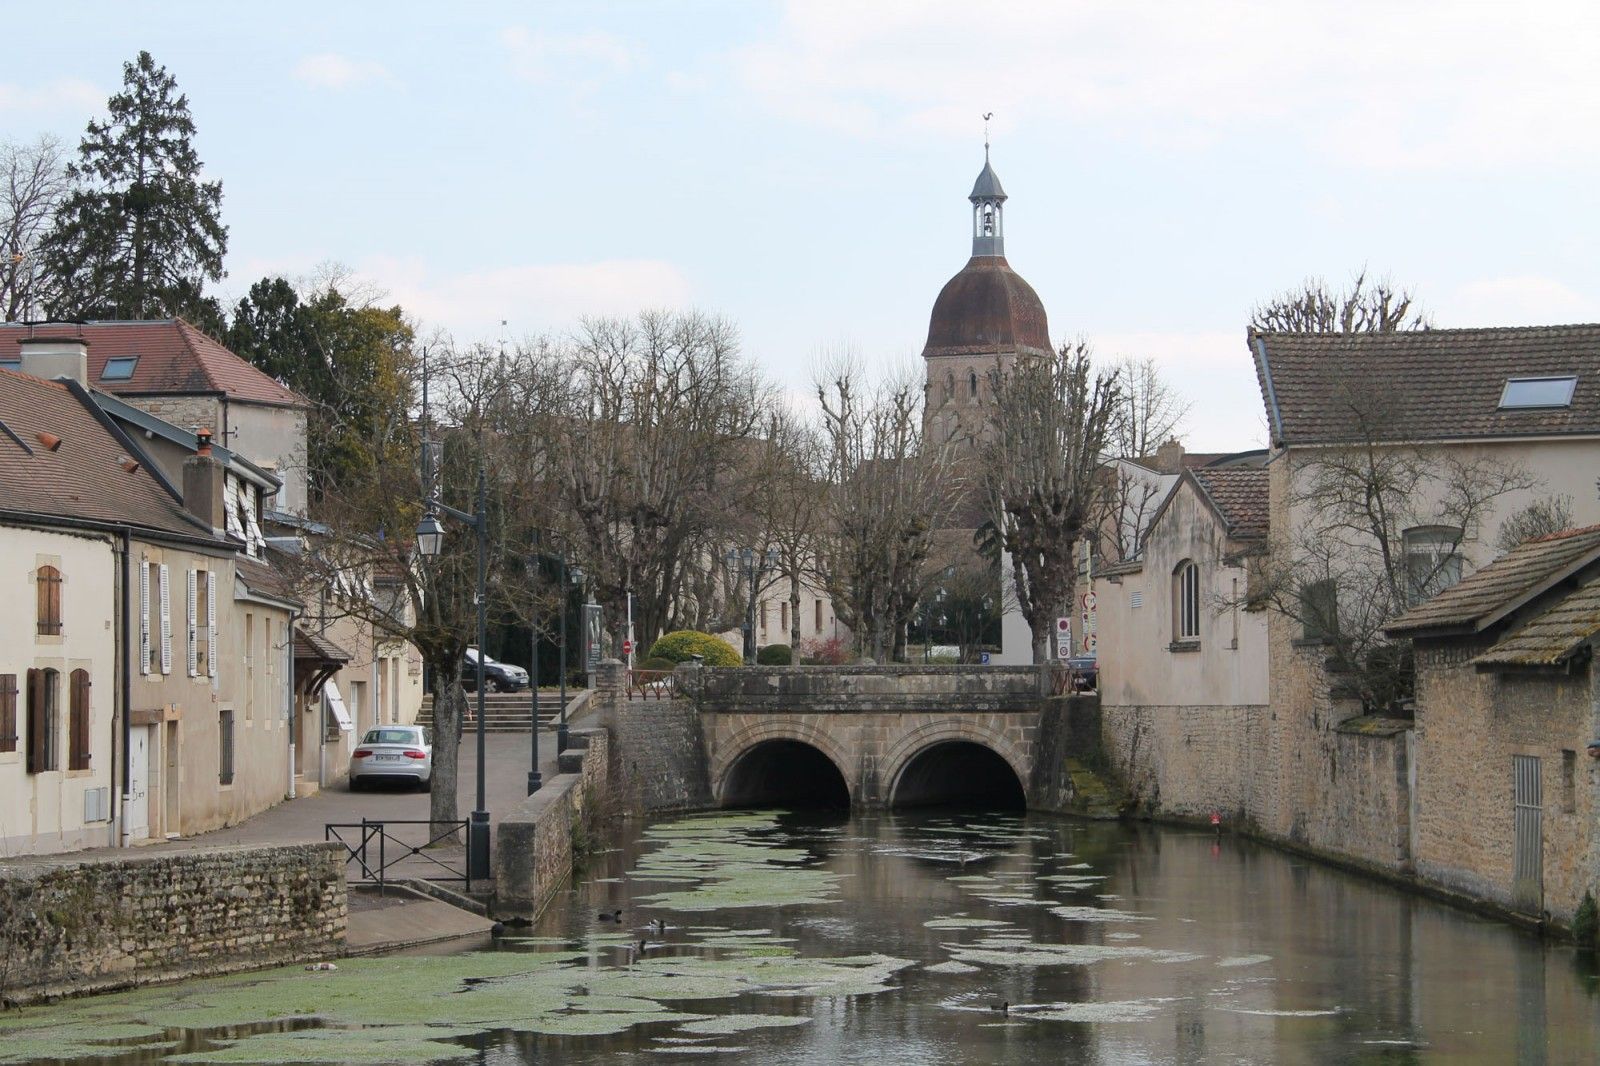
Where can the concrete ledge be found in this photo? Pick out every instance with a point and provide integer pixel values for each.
(535, 845)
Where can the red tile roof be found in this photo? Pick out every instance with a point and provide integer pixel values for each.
(174, 357)
(1239, 494)
(86, 477)
(1435, 384)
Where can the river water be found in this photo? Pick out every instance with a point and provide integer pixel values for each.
(903, 939)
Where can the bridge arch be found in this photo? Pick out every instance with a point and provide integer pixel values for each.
(783, 760)
(921, 767)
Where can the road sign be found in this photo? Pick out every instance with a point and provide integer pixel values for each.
(1063, 624)
(627, 647)
(1064, 650)
(984, 659)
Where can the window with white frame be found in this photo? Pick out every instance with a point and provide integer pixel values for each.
(1186, 601)
(1433, 561)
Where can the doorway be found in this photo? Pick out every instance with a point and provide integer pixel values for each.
(169, 782)
(136, 816)
(1527, 885)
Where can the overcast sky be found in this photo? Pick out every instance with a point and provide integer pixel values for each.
(802, 168)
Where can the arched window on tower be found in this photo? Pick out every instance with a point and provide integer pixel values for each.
(988, 220)
(949, 386)
(972, 383)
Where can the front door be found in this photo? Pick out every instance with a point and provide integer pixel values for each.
(169, 781)
(1527, 802)
(136, 816)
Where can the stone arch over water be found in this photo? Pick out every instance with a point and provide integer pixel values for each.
(955, 763)
(786, 763)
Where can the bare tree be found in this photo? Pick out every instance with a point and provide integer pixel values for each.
(1151, 414)
(33, 180)
(1543, 516)
(1367, 306)
(1050, 421)
(649, 452)
(890, 489)
(1377, 528)
(789, 507)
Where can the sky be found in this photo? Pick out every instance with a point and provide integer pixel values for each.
(802, 168)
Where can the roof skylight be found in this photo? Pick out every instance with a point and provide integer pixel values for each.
(119, 368)
(1538, 392)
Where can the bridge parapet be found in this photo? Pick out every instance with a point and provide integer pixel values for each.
(864, 689)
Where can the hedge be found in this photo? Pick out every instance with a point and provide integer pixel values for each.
(775, 655)
(681, 646)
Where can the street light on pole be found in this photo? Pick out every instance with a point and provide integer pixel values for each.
(755, 565)
(535, 779)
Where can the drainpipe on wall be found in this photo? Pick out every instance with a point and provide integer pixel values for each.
(127, 683)
(293, 718)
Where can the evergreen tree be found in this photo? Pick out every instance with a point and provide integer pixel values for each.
(140, 234)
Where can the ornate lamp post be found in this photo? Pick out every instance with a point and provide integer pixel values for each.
(535, 779)
(755, 566)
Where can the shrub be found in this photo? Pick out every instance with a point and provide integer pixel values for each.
(681, 646)
(775, 655)
(830, 652)
(657, 664)
(1586, 923)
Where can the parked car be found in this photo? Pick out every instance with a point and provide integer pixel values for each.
(499, 676)
(397, 753)
(1085, 673)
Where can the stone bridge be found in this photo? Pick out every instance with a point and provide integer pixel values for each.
(882, 736)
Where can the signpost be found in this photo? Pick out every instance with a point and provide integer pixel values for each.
(1063, 637)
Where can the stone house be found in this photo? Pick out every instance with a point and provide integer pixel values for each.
(128, 713)
(1182, 650)
(170, 369)
(1508, 728)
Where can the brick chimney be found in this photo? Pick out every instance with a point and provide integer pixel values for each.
(202, 484)
(56, 357)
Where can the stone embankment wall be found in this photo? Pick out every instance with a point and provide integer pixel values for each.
(536, 846)
(102, 922)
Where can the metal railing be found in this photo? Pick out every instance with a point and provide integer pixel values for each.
(1068, 680)
(651, 685)
(376, 849)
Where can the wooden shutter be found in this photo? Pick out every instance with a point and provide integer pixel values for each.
(211, 624)
(38, 722)
(48, 587)
(194, 624)
(166, 619)
(144, 618)
(8, 712)
(78, 723)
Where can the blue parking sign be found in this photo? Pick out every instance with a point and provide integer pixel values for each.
(984, 658)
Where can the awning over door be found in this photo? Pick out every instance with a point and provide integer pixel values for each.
(336, 705)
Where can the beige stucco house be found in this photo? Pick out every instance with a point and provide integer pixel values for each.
(148, 699)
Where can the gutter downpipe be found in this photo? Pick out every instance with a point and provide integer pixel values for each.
(127, 684)
(293, 718)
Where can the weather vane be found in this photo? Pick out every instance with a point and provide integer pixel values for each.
(986, 117)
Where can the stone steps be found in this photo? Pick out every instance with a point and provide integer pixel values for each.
(504, 712)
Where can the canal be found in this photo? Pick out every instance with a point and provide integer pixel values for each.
(908, 938)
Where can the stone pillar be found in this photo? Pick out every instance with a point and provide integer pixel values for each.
(610, 690)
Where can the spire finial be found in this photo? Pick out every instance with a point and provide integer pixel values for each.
(986, 117)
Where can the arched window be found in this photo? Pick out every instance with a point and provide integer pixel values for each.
(972, 383)
(1186, 601)
(49, 590)
(1433, 563)
(949, 386)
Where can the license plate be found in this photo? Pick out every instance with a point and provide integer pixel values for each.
(387, 758)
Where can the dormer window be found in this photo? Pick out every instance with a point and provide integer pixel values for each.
(119, 368)
(1538, 392)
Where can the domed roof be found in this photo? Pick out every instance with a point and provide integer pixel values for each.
(987, 307)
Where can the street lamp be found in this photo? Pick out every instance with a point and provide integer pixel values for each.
(535, 779)
(430, 540)
(576, 574)
(755, 565)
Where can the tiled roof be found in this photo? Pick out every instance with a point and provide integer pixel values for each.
(1487, 595)
(1240, 494)
(316, 648)
(1551, 636)
(265, 580)
(86, 477)
(174, 357)
(1437, 384)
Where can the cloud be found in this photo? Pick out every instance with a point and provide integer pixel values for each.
(531, 298)
(330, 70)
(578, 60)
(66, 94)
(1366, 84)
(1522, 300)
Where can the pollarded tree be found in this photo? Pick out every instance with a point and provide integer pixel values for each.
(140, 233)
(1365, 307)
(1050, 421)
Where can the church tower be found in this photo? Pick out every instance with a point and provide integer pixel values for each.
(985, 314)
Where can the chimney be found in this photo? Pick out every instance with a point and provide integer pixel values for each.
(1169, 457)
(56, 357)
(202, 484)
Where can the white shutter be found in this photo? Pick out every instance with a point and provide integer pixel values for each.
(254, 540)
(194, 622)
(230, 504)
(211, 624)
(144, 617)
(166, 619)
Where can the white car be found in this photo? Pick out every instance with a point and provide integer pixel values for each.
(401, 753)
